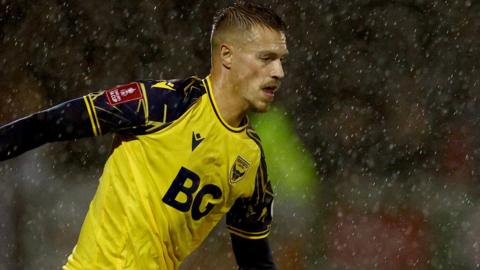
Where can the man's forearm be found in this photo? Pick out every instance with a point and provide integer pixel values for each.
(66, 121)
(252, 254)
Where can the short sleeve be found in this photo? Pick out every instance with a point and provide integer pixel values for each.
(251, 217)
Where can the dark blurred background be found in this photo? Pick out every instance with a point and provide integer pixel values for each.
(380, 103)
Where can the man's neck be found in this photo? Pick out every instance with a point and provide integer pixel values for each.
(230, 105)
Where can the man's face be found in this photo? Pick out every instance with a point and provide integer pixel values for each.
(257, 65)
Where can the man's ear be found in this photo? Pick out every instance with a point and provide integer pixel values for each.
(226, 55)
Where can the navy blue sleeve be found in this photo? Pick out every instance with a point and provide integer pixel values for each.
(252, 254)
(141, 107)
(65, 121)
(134, 108)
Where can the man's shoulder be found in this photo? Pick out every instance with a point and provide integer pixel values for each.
(167, 100)
(253, 135)
(191, 86)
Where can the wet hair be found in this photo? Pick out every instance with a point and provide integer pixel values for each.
(244, 16)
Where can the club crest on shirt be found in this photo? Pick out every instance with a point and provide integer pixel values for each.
(238, 170)
(124, 93)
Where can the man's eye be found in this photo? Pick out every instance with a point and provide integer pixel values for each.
(265, 58)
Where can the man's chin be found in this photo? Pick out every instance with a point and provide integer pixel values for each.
(262, 108)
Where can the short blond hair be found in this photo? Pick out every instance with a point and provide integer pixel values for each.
(244, 16)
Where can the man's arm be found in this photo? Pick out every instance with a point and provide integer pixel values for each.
(134, 108)
(249, 221)
(65, 121)
(92, 115)
(252, 254)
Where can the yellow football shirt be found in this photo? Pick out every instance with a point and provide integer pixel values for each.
(176, 168)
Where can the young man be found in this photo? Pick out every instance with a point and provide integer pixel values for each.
(184, 153)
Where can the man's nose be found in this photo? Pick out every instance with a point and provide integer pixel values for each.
(277, 70)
